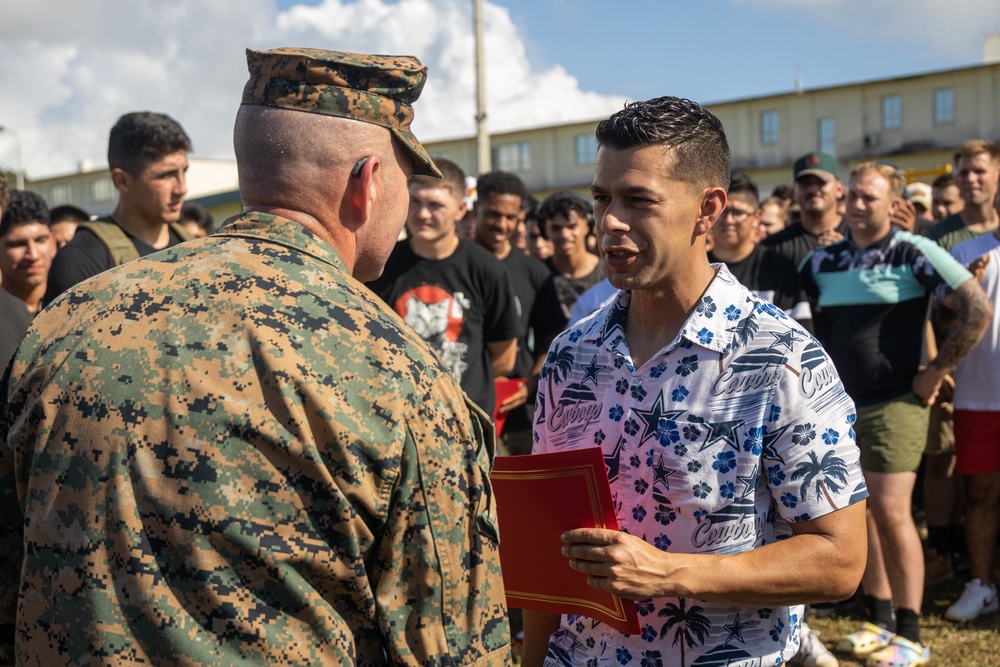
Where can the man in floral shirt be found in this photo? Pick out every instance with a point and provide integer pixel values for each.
(726, 432)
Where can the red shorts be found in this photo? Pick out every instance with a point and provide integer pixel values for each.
(977, 441)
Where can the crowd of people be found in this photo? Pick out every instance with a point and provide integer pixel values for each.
(270, 443)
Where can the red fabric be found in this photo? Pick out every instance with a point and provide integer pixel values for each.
(977, 441)
(538, 498)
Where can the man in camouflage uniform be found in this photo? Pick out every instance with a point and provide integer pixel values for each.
(231, 452)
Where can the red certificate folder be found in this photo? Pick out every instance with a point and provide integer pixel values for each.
(505, 388)
(538, 498)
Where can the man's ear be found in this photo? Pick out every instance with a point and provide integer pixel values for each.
(363, 188)
(462, 210)
(894, 205)
(121, 180)
(713, 203)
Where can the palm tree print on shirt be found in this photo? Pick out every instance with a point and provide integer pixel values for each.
(829, 474)
(690, 626)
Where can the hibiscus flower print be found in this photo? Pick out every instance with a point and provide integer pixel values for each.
(687, 365)
(724, 461)
(706, 307)
(803, 434)
(775, 475)
(755, 441)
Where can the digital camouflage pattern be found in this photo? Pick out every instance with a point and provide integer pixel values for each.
(370, 88)
(231, 452)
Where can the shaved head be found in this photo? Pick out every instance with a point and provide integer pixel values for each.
(288, 158)
(298, 165)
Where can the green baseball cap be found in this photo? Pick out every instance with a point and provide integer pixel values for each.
(818, 164)
(370, 88)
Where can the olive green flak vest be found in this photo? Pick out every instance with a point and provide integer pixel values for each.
(117, 241)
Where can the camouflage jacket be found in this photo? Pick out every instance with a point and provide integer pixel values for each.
(231, 452)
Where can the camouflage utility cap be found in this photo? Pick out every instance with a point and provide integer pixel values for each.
(370, 88)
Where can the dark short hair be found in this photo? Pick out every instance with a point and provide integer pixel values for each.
(783, 191)
(500, 183)
(529, 204)
(945, 181)
(452, 178)
(23, 208)
(563, 203)
(141, 138)
(740, 183)
(196, 212)
(692, 132)
(68, 212)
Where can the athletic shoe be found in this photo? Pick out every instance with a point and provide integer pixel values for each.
(812, 653)
(867, 640)
(839, 608)
(900, 652)
(976, 599)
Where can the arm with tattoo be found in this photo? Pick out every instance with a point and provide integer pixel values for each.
(973, 312)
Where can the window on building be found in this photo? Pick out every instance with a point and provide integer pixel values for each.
(769, 127)
(892, 112)
(512, 157)
(586, 149)
(60, 194)
(827, 132)
(944, 106)
(102, 190)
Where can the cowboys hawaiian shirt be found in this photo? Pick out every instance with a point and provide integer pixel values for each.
(736, 428)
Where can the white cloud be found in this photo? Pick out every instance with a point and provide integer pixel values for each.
(71, 68)
(439, 32)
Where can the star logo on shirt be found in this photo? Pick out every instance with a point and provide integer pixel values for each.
(786, 339)
(662, 474)
(591, 371)
(749, 482)
(769, 450)
(651, 418)
(726, 432)
(612, 461)
(735, 630)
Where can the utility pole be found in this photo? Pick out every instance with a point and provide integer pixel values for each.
(17, 147)
(483, 162)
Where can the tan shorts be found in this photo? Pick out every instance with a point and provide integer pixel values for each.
(941, 431)
(892, 435)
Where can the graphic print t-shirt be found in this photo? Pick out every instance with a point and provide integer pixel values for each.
(457, 304)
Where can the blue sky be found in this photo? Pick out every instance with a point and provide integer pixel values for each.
(73, 68)
(715, 50)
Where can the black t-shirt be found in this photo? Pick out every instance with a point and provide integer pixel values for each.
(456, 304)
(530, 278)
(795, 242)
(558, 305)
(772, 276)
(875, 302)
(86, 256)
(532, 281)
(13, 324)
